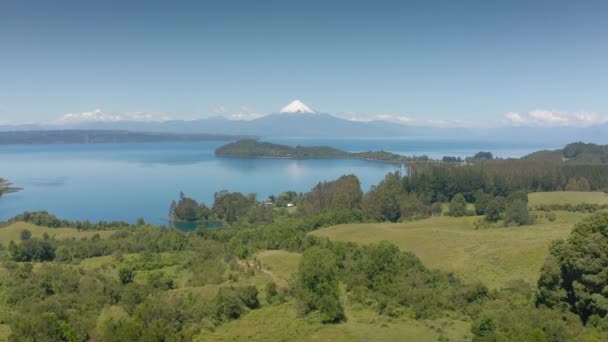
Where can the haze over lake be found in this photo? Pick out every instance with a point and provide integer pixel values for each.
(127, 181)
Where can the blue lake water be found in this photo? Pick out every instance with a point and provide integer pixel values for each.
(127, 181)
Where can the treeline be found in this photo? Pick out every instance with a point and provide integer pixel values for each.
(228, 207)
(45, 219)
(501, 177)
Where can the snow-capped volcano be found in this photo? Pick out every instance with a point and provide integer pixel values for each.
(297, 107)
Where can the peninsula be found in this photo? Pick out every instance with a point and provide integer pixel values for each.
(250, 148)
(6, 187)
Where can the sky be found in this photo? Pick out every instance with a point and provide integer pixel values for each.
(513, 62)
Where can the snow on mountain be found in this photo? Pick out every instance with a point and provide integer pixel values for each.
(297, 107)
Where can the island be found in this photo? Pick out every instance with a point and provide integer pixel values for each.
(251, 148)
(6, 187)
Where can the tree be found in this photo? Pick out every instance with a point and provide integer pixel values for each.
(343, 194)
(317, 285)
(519, 195)
(25, 235)
(574, 275)
(412, 206)
(187, 209)
(578, 184)
(382, 202)
(516, 213)
(458, 206)
(482, 200)
(483, 155)
(493, 210)
(229, 206)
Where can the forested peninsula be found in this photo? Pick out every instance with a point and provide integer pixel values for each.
(250, 148)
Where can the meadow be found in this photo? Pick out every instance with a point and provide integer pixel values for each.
(495, 256)
(567, 197)
(13, 231)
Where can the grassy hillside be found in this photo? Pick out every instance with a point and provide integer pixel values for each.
(13, 231)
(567, 197)
(493, 256)
(280, 265)
(280, 322)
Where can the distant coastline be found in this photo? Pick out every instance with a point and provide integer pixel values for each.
(104, 137)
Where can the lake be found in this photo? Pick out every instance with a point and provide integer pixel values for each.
(128, 181)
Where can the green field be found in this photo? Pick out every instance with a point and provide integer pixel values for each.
(493, 256)
(280, 265)
(13, 231)
(567, 197)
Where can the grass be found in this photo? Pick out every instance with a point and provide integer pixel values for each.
(13, 231)
(280, 265)
(280, 323)
(567, 197)
(494, 256)
(5, 332)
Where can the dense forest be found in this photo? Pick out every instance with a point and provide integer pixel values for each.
(100, 137)
(250, 148)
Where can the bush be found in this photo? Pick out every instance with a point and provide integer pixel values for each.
(126, 275)
(458, 206)
(493, 210)
(317, 286)
(517, 213)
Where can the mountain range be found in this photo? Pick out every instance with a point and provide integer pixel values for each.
(299, 120)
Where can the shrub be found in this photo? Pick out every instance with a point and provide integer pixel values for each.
(317, 286)
(517, 213)
(458, 206)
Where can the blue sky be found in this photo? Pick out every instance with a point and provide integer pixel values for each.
(521, 62)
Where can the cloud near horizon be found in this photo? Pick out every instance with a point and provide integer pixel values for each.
(98, 115)
(408, 120)
(552, 118)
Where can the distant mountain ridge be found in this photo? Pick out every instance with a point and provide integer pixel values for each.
(299, 120)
